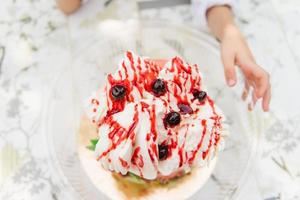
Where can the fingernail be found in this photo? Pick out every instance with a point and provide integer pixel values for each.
(244, 95)
(250, 107)
(231, 82)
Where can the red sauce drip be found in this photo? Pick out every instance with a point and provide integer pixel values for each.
(212, 104)
(217, 138)
(195, 83)
(165, 102)
(151, 155)
(120, 74)
(133, 126)
(135, 80)
(148, 136)
(144, 106)
(154, 149)
(117, 129)
(149, 77)
(180, 65)
(192, 158)
(153, 123)
(183, 72)
(173, 144)
(185, 81)
(125, 69)
(217, 121)
(124, 163)
(139, 87)
(118, 133)
(131, 133)
(144, 79)
(135, 155)
(176, 80)
(180, 153)
(137, 159)
(176, 94)
(204, 154)
(197, 68)
(139, 64)
(172, 69)
(130, 57)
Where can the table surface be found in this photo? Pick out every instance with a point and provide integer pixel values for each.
(35, 45)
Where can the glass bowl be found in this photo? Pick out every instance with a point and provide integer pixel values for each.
(94, 57)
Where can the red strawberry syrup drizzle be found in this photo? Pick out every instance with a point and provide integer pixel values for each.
(137, 160)
(118, 133)
(124, 163)
(192, 158)
(142, 80)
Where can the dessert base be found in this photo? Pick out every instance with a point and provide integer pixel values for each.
(118, 187)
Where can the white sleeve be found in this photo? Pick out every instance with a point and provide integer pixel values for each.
(200, 7)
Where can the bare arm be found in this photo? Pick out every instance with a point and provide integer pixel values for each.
(235, 52)
(220, 20)
(68, 6)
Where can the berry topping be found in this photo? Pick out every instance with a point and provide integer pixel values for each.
(184, 108)
(118, 92)
(158, 87)
(200, 95)
(162, 151)
(172, 118)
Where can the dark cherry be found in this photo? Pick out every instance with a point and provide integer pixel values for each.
(118, 92)
(172, 118)
(185, 108)
(162, 151)
(200, 95)
(158, 87)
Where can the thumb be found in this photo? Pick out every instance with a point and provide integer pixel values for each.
(229, 67)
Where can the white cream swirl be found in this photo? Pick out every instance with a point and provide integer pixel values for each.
(132, 129)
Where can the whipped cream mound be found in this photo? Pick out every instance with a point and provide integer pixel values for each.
(155, 120)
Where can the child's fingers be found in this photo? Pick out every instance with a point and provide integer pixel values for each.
(246, 90)
(68, 6)
(254, 98)
(229, 67)
(251, 87)
(251, 102)
(262, 83)
(266, 100)
(261, 78)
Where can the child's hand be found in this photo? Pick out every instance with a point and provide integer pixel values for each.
(235, 51)
(68, 6)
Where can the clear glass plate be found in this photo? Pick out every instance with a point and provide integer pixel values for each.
(94, 57)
